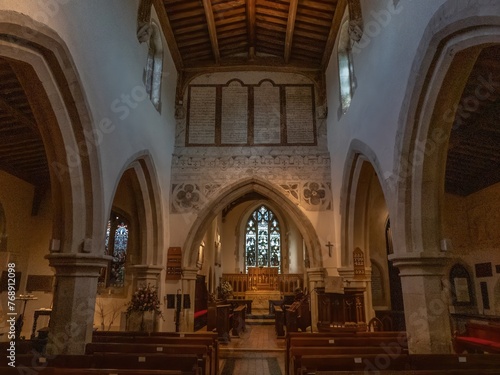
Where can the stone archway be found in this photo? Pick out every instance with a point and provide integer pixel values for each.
(236, 190)
(52, 87)
(225, 198)
(364, 211)
(447, 52)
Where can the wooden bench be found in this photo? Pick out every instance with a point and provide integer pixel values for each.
(207, 339)
(392, 343)
(403, 364)
(201, 352)
(84, 371)
(238, 320)
(478, 337)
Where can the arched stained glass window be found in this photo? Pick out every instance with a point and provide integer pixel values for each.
(115, 244)
(263, 240)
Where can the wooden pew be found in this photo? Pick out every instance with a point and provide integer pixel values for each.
(403, 364)
(239, 317)
(96, 371)
(186, 363)
(390, 342)
(279, 321)
(208, 339)
(368, 363)
(408, 372)
(201, 352)
(478, 337)
(297, 353)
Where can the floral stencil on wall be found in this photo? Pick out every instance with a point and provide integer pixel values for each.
(186, 197)
(316, 196)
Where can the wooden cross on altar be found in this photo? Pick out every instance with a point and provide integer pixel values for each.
(329, 245)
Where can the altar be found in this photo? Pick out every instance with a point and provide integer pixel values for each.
(260, 298)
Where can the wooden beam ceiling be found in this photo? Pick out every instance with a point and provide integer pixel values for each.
(209, 14)
(290, 27)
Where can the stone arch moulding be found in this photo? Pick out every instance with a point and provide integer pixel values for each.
(60, 104)
(457, 27)
(358, 158)
(149, 204)
(236, 190)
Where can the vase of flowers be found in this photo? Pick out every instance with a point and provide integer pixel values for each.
(225, 290)
(143, 309)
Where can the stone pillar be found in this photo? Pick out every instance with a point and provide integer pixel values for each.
(426, 304)
(188, 287)
(146, 274)
(316, 279)
(72, 316)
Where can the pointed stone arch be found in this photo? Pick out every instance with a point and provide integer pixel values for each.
(50, 78)
(360, 171)
(144, 184)
(236, 190)
(454, 37)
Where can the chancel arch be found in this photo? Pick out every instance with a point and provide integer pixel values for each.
(440, 116)
(237, 190)
(236, 197)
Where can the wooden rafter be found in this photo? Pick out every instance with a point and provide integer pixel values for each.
(168, 33)
(334, 29)
(18, 115)
(290, 27)
(212, 31)
(251, 28)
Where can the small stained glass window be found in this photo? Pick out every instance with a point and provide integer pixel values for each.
(115, 244)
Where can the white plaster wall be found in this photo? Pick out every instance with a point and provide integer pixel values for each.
(382, 62)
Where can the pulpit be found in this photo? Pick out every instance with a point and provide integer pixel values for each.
(340, 310)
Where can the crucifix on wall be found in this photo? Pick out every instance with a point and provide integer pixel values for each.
(329, 245)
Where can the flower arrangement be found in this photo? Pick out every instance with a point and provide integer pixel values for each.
(225, 289)
(145, 299)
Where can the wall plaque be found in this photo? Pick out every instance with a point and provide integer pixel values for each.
(238, 114)
(359, 262)
(174, 263)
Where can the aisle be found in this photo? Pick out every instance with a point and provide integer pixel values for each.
(257, 351)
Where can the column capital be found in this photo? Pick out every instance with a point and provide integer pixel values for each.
(147, 269)
(189, 273)
(428, 265)
(316, 274)
(77, 264)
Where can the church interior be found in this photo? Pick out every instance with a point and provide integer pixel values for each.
(295, 182)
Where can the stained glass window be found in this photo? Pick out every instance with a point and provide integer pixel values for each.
(263, 240)
(116, 246)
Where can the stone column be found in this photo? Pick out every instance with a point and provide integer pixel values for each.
(146, 274)
(188, 287)
(426, 303)
(72, 316)
(316, 278)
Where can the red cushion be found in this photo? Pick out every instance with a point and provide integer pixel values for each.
(474, 340)
(200, 313)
